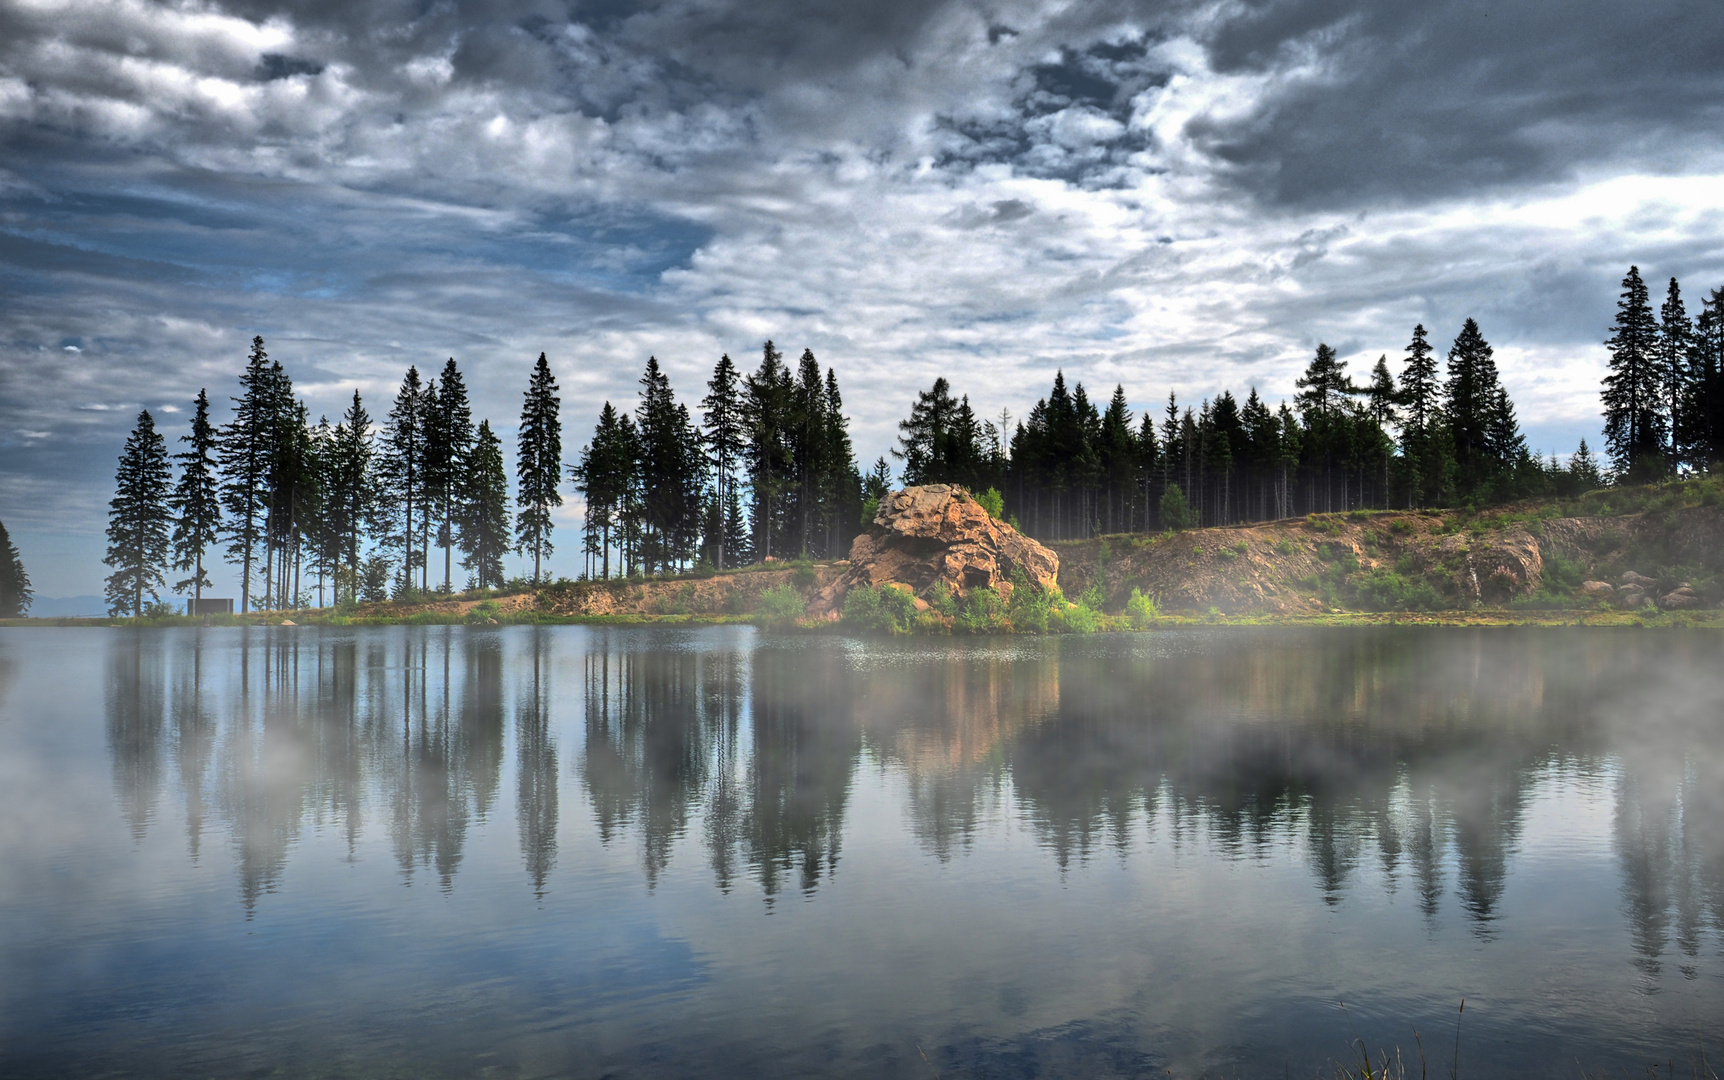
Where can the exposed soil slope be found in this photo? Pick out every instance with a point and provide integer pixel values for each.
(1406, 561)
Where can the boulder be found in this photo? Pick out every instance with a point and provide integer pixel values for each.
(1602, 590)
(1680, 598)
(936, 533)
(1630, 596)
(1629, 577)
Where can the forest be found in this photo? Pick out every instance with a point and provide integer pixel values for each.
(371, 508)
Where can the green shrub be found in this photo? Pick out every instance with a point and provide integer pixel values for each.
(984, 612)
(885, 610)
(804, 575)
(870, 509)
(781, 604)
(483, 612)
(943, 600)
(1283, 547)
(1030, 608)
(1141, 609)
(1078, 619)
(993, 502)
(1386, 590)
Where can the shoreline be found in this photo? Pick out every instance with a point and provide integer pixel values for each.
(1110, 624)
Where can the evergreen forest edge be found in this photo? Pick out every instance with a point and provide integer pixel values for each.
(768, 473)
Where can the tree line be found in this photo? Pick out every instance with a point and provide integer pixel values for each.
(765, 469)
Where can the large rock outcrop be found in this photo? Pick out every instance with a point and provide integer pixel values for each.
(939, 533)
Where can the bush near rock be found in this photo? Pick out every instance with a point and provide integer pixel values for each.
(923, 537)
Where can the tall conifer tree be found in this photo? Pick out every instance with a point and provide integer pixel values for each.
(483, 519)
(196, 503)
(1635, 419)
(15, 591)
(538, 465)
(449, 439)
(138, 520)
(244, 455)
(725, 432)
(403, 473)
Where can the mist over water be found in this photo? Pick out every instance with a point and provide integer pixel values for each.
(545, 851)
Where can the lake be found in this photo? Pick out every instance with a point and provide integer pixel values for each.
(579, 851)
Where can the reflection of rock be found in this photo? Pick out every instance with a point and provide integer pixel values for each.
(925, 535)
(1603, 590)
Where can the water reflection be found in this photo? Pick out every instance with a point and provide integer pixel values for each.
(1384, 759)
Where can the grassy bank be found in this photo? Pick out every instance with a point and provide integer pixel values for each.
(1523, 565)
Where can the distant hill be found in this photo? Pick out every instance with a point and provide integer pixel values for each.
(66, 607)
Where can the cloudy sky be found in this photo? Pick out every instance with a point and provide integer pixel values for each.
(1172, 196)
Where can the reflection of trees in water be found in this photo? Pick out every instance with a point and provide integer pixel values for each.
(536, 766)
(273, 730)
(1669, 820)
(1363, 747)
(134, 714)
(1384, 756)
(451, 746)
(662, 743)
(797, 780)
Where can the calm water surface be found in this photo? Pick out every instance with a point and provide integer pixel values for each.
(569, 851)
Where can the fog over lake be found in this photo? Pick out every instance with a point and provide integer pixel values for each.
(581, 851)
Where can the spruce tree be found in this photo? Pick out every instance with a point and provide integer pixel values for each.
(196, 502)
(351, 500)
(1583, 467)
(1471, 406)
(1635, 417)
(1703, 408)
(403, 473)
(766, 411)
(1675, 344)
(483, 511)
(138, 520)
(725, 438)
(244, 455)
(841, 491)
(448, 441)
(808, 452)
(15, 591)
(538, 465)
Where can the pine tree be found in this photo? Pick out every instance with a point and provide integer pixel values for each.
(1675, 344)
(483, 511)
(1635, 418)
(841, 487)
(1703, 407)
(244, 455)
(538, 465)
(1471, 404)
(15, 591)
(196, 501)
(1421, 394)
(138, 521)
(766, 409)
(351, 499)
(725, 441)
(448, 441)
(1583, 467)
(402, 474)
(925, 439)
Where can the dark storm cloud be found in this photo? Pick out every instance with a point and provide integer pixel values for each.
(1412, 101)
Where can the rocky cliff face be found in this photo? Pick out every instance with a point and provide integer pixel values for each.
(923, 536)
